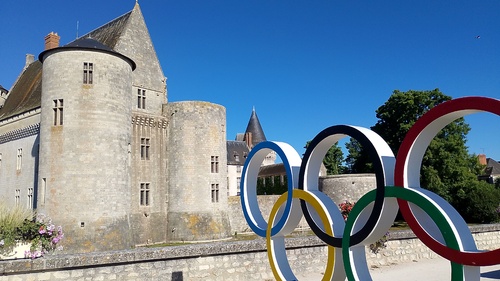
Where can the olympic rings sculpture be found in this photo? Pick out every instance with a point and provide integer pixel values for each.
(434, 221)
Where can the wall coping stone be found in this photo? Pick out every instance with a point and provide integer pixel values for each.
(57, 262)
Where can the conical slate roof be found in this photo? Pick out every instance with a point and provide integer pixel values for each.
(255, 129)
(86, 43)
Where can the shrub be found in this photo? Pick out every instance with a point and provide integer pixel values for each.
(477, 202)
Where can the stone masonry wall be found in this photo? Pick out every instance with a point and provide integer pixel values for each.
(197, 208)
(338, 187)
(239, 260)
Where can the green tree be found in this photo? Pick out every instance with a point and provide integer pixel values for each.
(333, 160)
(272, 185)
(357, 159)
(497, 183)
(447, 167)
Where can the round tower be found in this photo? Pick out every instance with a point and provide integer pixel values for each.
(197, 172)
(85, 133)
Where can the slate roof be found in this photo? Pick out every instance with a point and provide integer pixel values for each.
(86, 43)
(272, 170)
(255, 128)
(236, 148)
(26, 93)
(109, 33)
(492, 167)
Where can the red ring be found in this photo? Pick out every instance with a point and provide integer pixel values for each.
(453, 106)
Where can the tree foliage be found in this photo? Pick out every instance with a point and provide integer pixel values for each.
(333, 160)
(272, 185)
(447, 168)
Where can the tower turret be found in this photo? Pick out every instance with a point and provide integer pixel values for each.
(85, 132)
(197, 173)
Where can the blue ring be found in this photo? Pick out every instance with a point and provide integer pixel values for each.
(291, 172)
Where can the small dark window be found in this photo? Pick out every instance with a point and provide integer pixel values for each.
(215, 192)
(145, 146)
(144, 193)
(58, 112)
(88, 73)
(214, 164)
(141, 98)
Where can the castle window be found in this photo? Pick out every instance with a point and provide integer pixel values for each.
(236, 156)
(145, 145)
(17, 197)
(145, 200)
(19, 159)
(238, 169)
(30, 198)
(214, 164)
(215, 192)
(141, 98)
(58, 112)
(88, 73)
(43, 190)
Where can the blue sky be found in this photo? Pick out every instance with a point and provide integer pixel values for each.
(304, 65)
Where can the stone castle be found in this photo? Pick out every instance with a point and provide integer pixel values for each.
(88, 137)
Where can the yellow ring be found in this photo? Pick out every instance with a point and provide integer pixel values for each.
(270, 241)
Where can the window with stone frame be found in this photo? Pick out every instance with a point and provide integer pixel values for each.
(19, 162)
(214, 164)
(145, 199)
(215, 192)
(141, 98)
(30, 198)
(58, 112)
(145, 148)
(17, 197)
(88, 73)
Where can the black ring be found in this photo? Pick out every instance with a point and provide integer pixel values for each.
(353, 132)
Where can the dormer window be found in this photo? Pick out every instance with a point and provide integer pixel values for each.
(236, 156)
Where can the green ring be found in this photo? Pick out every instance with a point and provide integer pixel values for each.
(457, 270)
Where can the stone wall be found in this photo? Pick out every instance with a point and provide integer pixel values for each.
(348, 187)
(238, 260)
(351, 188)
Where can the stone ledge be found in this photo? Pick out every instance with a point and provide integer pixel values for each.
(144, 255)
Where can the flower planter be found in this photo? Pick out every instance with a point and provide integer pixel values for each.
(18, 252)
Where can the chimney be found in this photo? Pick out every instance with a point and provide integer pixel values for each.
(482, 159)
(52, 41)
(248, 139)
(29, 60)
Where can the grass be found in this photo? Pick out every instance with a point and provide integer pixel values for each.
(13, 217)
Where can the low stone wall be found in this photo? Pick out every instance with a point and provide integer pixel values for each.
(238, 260)
(340, 188)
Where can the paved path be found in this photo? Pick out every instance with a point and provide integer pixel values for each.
(429, 270)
